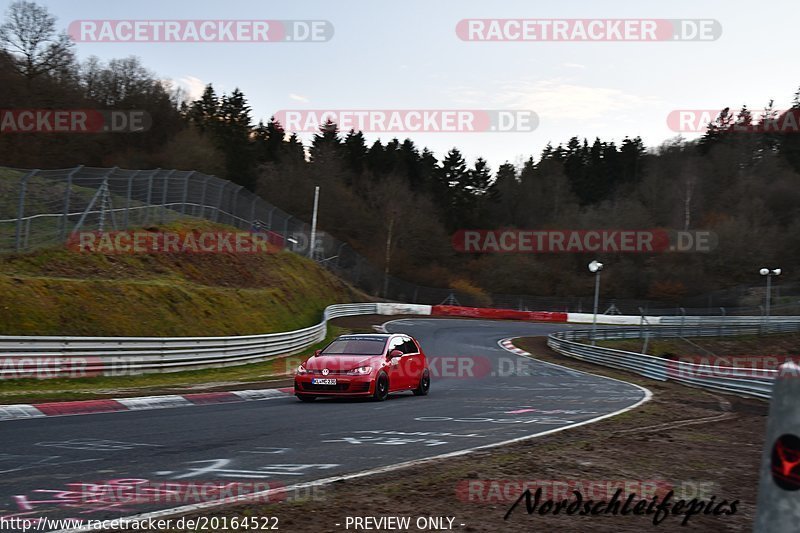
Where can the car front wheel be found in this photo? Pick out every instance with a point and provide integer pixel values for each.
(424, 384)
(381, 387)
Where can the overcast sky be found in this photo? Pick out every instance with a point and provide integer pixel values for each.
(406, 55)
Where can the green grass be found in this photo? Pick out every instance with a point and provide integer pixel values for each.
(58, 291)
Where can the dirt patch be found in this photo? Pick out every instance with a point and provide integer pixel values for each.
(686, 438)
(749, 345)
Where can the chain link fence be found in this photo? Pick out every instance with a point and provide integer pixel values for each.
(41, 208)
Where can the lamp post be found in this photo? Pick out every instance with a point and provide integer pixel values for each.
(595, 267)
(769, 272)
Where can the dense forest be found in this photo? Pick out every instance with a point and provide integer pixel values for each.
(743, 186)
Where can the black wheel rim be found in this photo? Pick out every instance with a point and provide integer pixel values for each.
(426, 382)
(382, 387)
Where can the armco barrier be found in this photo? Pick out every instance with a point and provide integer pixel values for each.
(742, 381)
(52, 356)
(39, 356)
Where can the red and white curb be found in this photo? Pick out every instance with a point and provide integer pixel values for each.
(89, 407)
(508, 344)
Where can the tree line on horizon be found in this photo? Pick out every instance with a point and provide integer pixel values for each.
(745, 187)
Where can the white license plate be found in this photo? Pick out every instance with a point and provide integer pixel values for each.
(323, 381)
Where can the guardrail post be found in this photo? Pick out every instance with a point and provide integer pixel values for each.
(23, 186)
(778, 504)
(721, 322)
(67, 192)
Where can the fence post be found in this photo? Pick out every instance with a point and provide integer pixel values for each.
(721, 322)
(149, 195)
(235, 218)
(23, 185)
(164, 196)
(203, 197)
(253, 210)
(100, 191)
(286, 230)
(778, 503)
(67, 192)
(219, 200)
(125, 218)
(186, 191)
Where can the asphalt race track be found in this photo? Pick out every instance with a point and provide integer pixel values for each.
(483, 395)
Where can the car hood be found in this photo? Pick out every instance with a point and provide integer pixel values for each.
(340, 362)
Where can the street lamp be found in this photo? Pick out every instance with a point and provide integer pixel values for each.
(769, 273)
(595, 267)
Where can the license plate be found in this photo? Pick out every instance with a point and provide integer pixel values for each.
(323, 381)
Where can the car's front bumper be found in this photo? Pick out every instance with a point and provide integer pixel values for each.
(345, 386)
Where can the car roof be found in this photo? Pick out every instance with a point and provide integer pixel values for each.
(373, 335)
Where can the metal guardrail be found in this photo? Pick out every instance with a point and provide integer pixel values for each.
(138, 355)
(743, 381)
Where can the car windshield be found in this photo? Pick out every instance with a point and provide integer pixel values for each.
(355, 346)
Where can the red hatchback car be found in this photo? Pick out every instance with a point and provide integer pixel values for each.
(364, 365)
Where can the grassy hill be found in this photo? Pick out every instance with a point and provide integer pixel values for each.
(57, 291)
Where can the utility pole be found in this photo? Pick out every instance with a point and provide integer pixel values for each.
(388, 257)
(313, 243)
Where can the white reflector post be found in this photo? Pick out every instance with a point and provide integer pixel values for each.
(778, 508)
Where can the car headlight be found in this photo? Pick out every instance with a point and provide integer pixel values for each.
(301, 370)
(360, 371)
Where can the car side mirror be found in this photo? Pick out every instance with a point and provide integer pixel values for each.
(395, 353)
(317, 352)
